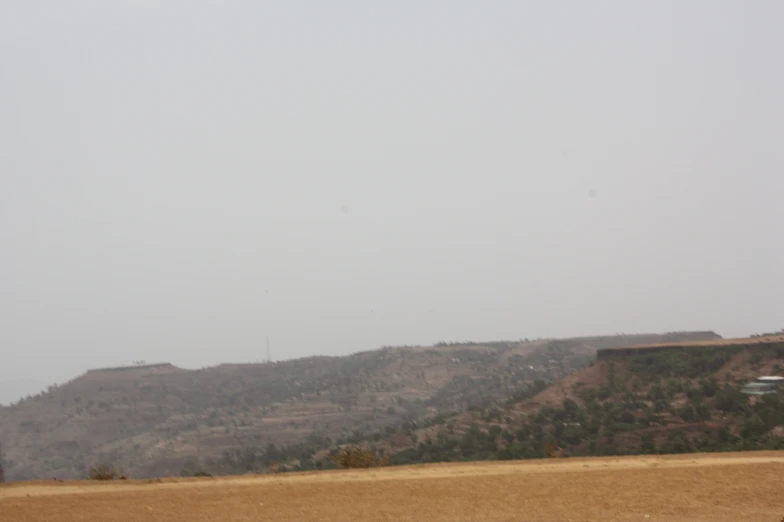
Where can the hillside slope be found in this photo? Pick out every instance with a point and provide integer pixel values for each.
(663, 399)
(154, 420)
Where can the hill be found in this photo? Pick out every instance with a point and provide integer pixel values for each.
(155, 420)
(660, 398)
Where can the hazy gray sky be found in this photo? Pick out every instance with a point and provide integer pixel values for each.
(180, 179)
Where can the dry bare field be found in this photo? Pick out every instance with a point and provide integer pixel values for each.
(704, 487)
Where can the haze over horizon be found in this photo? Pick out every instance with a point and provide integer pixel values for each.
(180, 180)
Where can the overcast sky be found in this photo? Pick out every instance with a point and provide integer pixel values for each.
(181, 179)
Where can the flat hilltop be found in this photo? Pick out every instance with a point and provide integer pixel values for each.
(710, 487)
(745, 342)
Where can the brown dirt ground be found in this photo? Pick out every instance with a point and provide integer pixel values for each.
(554, 395)
(706, 487)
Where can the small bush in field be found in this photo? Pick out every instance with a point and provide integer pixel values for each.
(102, 472)
(551, 450)
(359, 457)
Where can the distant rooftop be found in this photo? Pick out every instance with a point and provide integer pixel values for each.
(758, 388)
(758, 385)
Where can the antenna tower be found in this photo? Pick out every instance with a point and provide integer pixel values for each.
(269, 357)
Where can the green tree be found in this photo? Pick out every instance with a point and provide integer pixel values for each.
(677, 442)
(729, 400)
(687, 413)
(702, 411)
(647, 444)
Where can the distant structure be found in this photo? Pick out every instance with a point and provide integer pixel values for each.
(764, 385)
(2, 472)
(758, 388)
(269, 356)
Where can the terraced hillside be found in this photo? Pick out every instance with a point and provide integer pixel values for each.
(160, 420)
(674, 398)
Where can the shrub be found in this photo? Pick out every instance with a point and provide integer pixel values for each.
(728, 400)
(194, 473)
(551, 450)
(647, 444)
(102, 472)
(687, 413)
(359, 457)
(677, 442)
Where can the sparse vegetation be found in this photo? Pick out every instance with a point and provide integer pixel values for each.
(657, 402)
(102, 472)
(391, 398)
(358, 457)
